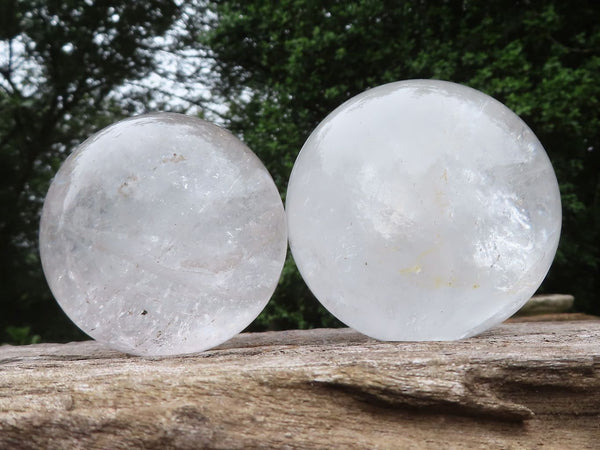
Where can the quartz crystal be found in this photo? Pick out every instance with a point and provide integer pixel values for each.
(423, 210)
(162, 234)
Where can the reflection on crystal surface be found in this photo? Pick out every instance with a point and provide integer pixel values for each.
(423, 210)
(162, 234)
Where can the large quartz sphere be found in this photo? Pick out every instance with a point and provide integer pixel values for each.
(162, 234)
(423, 210)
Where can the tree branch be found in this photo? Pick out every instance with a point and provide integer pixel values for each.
(193, 102)
(8, 72)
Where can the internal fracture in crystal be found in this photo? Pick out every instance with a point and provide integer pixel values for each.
(162, 234)
(423, 210)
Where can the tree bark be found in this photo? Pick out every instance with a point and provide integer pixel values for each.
(520, 385)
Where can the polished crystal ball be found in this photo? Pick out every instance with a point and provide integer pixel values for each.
(423, 210)
(162, 234)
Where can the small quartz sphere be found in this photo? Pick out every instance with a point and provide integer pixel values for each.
(162, 234)
(423, 210)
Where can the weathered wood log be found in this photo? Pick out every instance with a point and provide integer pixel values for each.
(520, 385)
(546, 304)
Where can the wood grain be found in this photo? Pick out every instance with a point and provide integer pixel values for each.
(520, 385)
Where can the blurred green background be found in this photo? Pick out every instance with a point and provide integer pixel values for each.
(270, 72)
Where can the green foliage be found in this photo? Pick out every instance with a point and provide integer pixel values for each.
(280, 68)
(22, 335)
(294, 308)
(284, 66)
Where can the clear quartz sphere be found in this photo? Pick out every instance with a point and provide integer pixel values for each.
(423, 210)
(162, 234)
